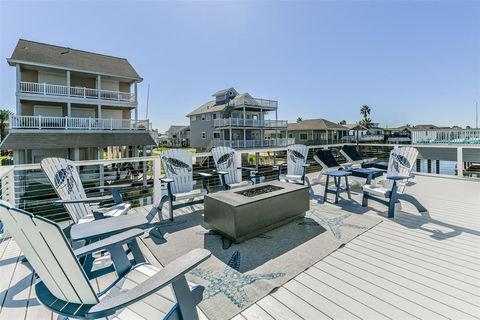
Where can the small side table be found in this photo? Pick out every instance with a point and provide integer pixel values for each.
(337, 176)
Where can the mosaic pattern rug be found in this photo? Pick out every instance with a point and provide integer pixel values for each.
(238, 275)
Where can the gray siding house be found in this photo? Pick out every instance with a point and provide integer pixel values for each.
(317, 132)
(73, 104)
(237, 120)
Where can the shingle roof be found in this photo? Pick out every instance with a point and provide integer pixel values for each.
(351, 126)
(315, 124)
(424, 126)
(209, 106)
(223, 91)
(72, 59)
(175, 128)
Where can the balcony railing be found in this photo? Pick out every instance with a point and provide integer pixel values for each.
(446, 136)
(253, 143)
(69, 123)
(254, 102)
(77, 92)
(238, 122)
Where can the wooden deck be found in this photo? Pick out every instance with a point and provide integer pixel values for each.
(411, 267)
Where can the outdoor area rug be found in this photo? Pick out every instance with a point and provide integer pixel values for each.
(238, 275)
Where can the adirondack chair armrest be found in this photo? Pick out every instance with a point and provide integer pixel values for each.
(118, 239)
(172, 272)
(85, 200)
(114, 189)
(166, 180)
(397, 178)
(203, 174)
(306, 165)
(222, 173)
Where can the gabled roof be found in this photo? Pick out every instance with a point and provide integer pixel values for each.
(42, 54)
(424, 127)
(209, 106)
(352, 126)
(175, 128)
(315, 124)
(224, 91)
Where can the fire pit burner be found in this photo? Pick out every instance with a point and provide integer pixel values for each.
(258, 191)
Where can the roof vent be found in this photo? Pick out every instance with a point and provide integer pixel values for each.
(67, 50)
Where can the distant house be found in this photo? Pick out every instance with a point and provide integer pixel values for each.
(178, 136)
(402, 134)
(316, 132)
(237, 120)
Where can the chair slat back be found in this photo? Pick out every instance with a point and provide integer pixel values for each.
(65, 179)
(296, 157)
(47, 250)
(177, 165)
(351, 153)
(400, 163)
(225, 160)
(325, 158)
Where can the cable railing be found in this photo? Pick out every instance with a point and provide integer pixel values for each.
(77, 92)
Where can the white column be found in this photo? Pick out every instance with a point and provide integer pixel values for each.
(19, 78)
(68, 84)
(238, 159)
(101, 156)
(99, 111)
(76, 154)
(69, 109)
(460, 161)
(136, 101)
(244, 130)
(99, 86)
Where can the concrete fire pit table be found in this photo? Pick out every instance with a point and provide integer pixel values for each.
(246, 212)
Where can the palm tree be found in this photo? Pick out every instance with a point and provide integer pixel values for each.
(365, 111)
(366, 122)
(299, 119)
(343, 122)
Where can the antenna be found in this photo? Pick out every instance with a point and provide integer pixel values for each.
(148, 98)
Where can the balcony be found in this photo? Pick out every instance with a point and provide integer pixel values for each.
(70, 123)
(446, 136)
(47, 89)
(253, 143)
(250, 123)
(255, 102)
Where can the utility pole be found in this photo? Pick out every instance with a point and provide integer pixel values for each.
(476, 118)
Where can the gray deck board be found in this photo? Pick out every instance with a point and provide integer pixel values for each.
(410, 267)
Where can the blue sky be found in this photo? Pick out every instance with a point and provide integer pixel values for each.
(412, 62)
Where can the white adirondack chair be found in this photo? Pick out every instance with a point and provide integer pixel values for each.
(65, 179)
(64, 288)
(227, 168)
(400, 166)
(177, 164)
(296, 165)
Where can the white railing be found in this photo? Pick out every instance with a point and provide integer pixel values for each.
(77, 92)
(446, 136)
(255, 102)
(238, 122)
(253, 143)
(69, 123)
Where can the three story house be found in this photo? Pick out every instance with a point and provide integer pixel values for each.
(73, 104)
(236, 120)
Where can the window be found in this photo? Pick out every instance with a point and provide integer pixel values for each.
(204, 135)
(203, 117)
(193, 118)
(216, 135)
(303, 136)
(209, 116)
(290, 135)
(214, 116)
